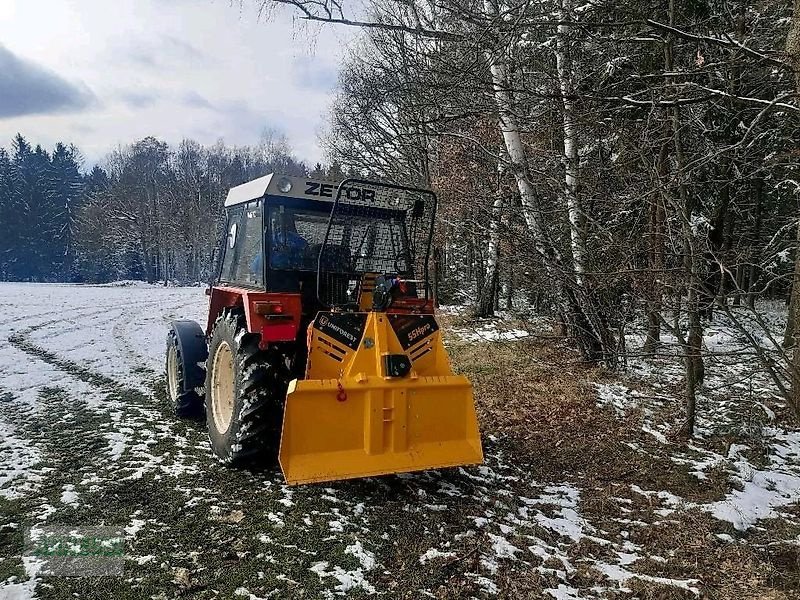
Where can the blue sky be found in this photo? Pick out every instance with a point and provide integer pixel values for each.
(101, 73)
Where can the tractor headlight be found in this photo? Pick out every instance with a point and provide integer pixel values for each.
(284, 185)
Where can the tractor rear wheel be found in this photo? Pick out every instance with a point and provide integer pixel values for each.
(184, 375)
(245, 394)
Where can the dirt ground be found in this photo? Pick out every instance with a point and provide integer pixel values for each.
(575, 499)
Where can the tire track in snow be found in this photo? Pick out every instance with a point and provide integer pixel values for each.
(100, 392)
(38, 334)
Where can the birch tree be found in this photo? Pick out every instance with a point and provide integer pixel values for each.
(793, 57)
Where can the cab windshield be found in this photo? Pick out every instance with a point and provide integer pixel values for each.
(362, 243)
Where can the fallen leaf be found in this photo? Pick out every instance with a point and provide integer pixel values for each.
(233, 517)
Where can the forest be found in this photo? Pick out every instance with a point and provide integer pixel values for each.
(607, 165)
(149, 212)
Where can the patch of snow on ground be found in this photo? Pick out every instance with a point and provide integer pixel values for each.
(763, 491)
(569, 522)
(348, 580)
(69, 496)
(502, 548)
(433, 553)
(23, 590)
(134, 528)
(760, 491)
(503, 327)
(564, 592)
(490, 333)
(116, 444)
(365, 557)
(621, 575)
(17, 460)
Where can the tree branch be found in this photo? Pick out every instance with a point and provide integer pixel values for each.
(725, 43)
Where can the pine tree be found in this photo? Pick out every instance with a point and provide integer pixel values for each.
(64, 196)
(10, 217)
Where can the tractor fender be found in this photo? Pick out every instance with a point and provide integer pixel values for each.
(193, 352)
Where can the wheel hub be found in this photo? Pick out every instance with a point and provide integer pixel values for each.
(172, 373)
(222, 387)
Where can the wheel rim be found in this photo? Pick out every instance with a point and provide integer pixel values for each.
(172, 373)
(222, 387)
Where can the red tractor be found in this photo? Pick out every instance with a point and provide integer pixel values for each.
(321, 345)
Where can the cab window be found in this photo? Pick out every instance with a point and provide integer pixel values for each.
(243, 261)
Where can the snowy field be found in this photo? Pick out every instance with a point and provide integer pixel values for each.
(86, 439)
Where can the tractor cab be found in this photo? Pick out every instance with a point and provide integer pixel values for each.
(327, 242)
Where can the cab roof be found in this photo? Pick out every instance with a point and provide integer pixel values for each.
(276, 184)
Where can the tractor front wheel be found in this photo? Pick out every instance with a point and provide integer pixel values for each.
(245, 394)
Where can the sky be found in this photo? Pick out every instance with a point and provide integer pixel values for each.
(103, 73)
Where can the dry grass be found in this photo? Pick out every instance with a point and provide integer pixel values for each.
(539, 400)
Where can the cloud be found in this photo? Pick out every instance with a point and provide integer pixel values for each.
(204, 72)
(182, 49)
(138, 98)
(159, 52)
(142, 57)
(30, 89)
(194, 100)
(240, 121)
(310, 72)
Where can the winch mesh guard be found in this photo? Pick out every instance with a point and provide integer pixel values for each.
(378, 228)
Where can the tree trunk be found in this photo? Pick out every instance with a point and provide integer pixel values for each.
(488, 292)
(754, 254)
(793, 45)
(740, 277)
(566, 79)
(792, 329)
(656, 253)
(792, 336)
(691, 353)
(437, 267)
(510, 289)
(693, 360)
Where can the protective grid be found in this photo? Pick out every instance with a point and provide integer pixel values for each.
(375, 228)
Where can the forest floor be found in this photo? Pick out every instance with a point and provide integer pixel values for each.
(585, 491)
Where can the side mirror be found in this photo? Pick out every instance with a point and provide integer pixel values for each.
(232, 235)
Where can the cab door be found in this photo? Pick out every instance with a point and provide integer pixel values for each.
(243, 258)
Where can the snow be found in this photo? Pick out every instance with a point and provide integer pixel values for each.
(23, 590)
(365, 557)
(759, 491)
(512, 520)
(17, 461)
(348, 580)
(108, 329)
(763, 493)
(490, 333)
(621, 576)
(69, 495)
(134, 528)
(502, 548)
(564, 592)
(568, 522)
(433, 553)
(503, 327)
(116, 444)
